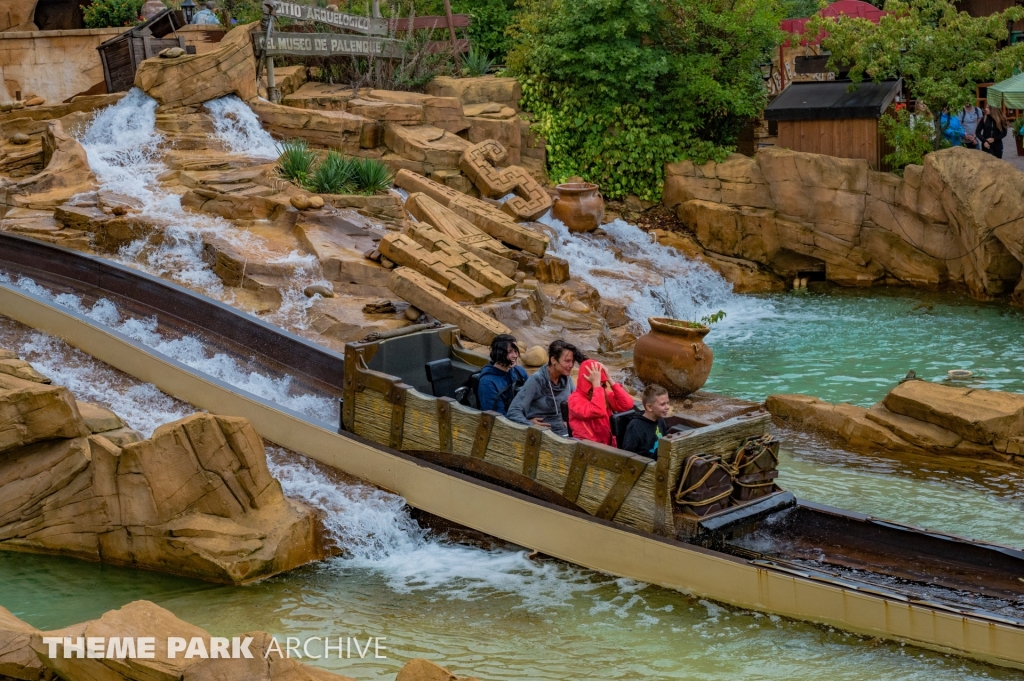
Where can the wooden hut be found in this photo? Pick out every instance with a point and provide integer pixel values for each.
(122, 55)
(837, 118)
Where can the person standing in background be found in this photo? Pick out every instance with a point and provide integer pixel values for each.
(991, 132)
(207, 15)
(970, 117)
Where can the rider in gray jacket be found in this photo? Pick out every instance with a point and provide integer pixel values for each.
(537, 403)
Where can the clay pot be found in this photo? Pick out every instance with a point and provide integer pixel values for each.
(579, 206)
(151, 9)
(674, 357)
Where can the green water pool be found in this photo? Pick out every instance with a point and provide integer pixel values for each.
(853, 345)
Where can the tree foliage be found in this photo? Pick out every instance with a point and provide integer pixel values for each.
(112, 13)
(620, 87)
(490, 20)
(909, 142)
(940, 53)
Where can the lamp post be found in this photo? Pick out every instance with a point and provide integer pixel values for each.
(188, 8)
(766, 67)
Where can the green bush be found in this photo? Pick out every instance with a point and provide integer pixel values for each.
(372, 176)
(618, 88)
(112, 13)
(335, 175)
(476, 63)
(490, 21)
(296, 161)
(909, 142)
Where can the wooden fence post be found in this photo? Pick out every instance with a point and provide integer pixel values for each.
(451, 32)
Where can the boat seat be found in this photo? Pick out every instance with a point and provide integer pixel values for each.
(564, 408)
(620, 421)
(441, 377)
(466, 394)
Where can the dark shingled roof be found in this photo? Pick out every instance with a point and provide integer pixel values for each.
(833, 99)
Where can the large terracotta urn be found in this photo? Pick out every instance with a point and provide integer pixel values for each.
(579, 206)
(673, 355)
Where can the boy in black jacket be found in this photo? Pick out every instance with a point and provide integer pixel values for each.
(643, 432)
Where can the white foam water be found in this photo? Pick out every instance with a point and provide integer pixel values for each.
(239, 128)
(376, 532)
(140, 405)
(191, 352)
(124, 150)
(653, 281)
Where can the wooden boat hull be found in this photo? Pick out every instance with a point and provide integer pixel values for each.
(563, 533)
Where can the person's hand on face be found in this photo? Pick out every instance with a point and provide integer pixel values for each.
(594, 375)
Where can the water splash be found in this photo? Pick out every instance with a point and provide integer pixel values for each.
(239, 128)
(377, 533)
(191, 352)
(140, 405)
(627, 266)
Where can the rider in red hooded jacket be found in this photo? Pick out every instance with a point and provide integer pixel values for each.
(596, 398)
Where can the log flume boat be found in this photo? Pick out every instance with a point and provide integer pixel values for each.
(587, 504)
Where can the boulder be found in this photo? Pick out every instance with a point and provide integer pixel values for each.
(953, 221)
(505, 131)
(195, 499)
(844, 421)
(17, 659)
(981, 416)
(32, 412)
(505, 91)
(425, 143)
(238, 207)
(192, 79)
(339, 247)
(21, 369)
(418, 290)
(17, 15)
(66, 172)
(331, 129)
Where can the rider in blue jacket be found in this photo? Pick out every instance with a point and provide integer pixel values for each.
(500, 378)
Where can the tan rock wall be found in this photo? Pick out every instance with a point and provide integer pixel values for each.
(959, 219)
(56, 65)
(192, 79)
(917, 416)
(196, 498)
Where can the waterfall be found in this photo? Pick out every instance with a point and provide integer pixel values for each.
(239, 128)
(629, 267)
(124, 150)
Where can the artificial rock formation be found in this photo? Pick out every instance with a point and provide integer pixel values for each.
(426, 295)
(192, 79)
(65, 173)
(956, 220)
(482, 215)
(920, 417)
(478, 163)
(195, 499)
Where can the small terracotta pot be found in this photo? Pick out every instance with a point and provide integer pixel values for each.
(674, 357)
(579, 206)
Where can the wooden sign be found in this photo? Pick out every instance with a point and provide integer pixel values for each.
(349, 22)
(326, 45)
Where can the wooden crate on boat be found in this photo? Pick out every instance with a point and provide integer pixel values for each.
(599, 480)
(704, 486)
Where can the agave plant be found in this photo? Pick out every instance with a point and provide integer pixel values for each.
(373, 176)
(296, 160)
(335, 175)
(476, 63)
